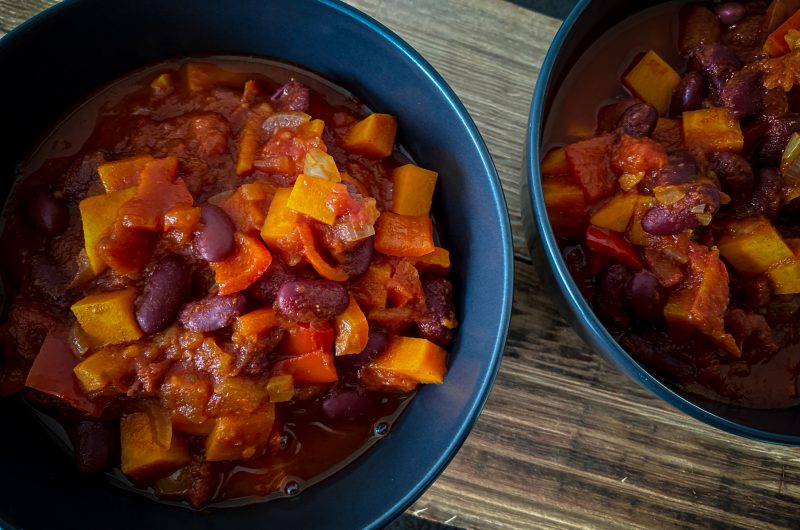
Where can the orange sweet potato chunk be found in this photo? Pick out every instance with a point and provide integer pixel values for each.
(616, 213)
(108, 318)
(415, 358)
(241, 436)
(652, 80)
(412, 192)
(713, 129)
(404, 235)
(372, 137)
(566, 205)
(98, 214)
(122, 174)
(352, 330)
(142, 455)
(311, 368)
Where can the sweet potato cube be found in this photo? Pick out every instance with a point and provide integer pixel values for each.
(652, 80)
(103, 369)
(142, 456)
(419, 359)
(554, 163)
(310, 196)
(438, 260)
(786, 277)
(636, 233)
(713, 129)
(280, 388)
(311, 368)
(372, 137)
(200, 76)
(240, 437)
(281, 222)
(98, 214)
(616, 213)
(122, 174)
(412, 193)
(245, 207)
(303, 338)
(752, 246)
(352, 330)
(566, 206)
(248, 261)
(404, 235)
(251, 327)
(370, 290)
(776, 44)
(236, 395)
(108, 318)
(588, 163)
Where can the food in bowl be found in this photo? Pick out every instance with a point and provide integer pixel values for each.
(678, 216)
(223, 280)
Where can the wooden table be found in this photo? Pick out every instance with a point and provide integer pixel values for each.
(565, 440)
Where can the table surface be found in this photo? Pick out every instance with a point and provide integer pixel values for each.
(565, 439)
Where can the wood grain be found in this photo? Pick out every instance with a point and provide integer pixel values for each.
(565, 441)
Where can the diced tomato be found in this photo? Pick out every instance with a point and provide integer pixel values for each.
(588, 161)
(637, 155)
(614, 245)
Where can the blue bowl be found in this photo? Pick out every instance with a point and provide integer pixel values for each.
(60, 56)
(588, 21)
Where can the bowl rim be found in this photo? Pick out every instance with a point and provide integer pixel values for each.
(487, 378)
(600, 339)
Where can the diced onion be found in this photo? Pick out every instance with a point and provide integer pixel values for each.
(669, 194)
(320, 164)
(347, 231)
(284, 119)
(791, 151)
(792, 39)
(628, 181)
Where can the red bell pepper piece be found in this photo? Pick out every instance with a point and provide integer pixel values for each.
(612, 244)
(588, 162)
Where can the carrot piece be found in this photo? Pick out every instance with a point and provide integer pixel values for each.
(52, 373)
(352, 330)
(251, 327)
(200, 76)
(404, 235)
(158, 192)
(776, 44)
(588, 163)
(616, 213)
(315, 259)
(419, 359)
(98, 214)
(280, 388)
(248, 261)
(122, 174)
(142, 456)
(372, 137)
(566, 205)
(412, 193)
(554, 163)
(108, 318)
(105, 368)
(653, 80)
(242, 436)
(310, 196)
(438, 260)
(713, 129)
(249, 139)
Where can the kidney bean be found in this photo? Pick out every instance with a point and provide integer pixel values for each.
(646, 297)
(293, 96)
(214, 238)
(48, 213)
(163, 295)
(773, 140)
(697, 25)
(743, 94)
(689, 93)
(767, 193)
(730, 13)
(356, 262)
(377, 341)
(638, 120)
(611, 302)
(715, 60)
(578, 266)
(439, 312)
(658, 353)
(212, 312)
(96, 445)
(349, 405)
(735, 175)
(755, 291)
(265, 289)
(311, 300)
(664, 220)
(681, 168)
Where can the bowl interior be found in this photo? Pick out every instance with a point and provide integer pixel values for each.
(582, 72)
(60, 57)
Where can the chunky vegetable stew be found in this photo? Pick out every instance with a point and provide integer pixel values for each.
(679, 218)
(222, 279)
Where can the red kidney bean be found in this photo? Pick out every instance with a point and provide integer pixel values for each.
(735, 175)
(356, 262)
(773, 140)
(715, 60)
(214, 238)
(96, 445)
(163, 295)
(730, 13)
(578, 266)
(638, 120)
(658, 353)
(293, 96)
(611, 303)
(212, 312)
(439, 304)
(646, 297)
(767, 193)
(265, 289)
(681, 168)
(743, 94)
(697, 25)
(311, 300)
(48, 213)
(376, 343)
(664, 220)
(689, 93)
(349, 405)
